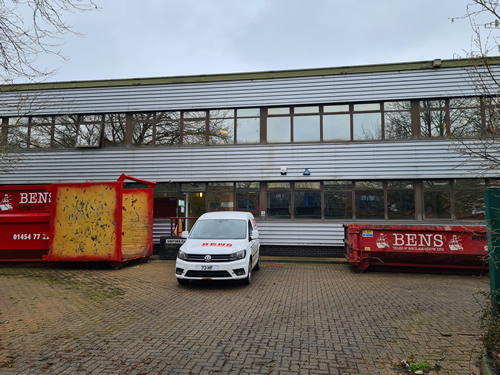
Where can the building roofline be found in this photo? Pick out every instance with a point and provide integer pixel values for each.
(272, 74)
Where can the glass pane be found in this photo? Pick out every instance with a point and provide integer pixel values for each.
(195, 114)
(336, 127)
(492, 119)
(477, 183)
(219, 229)
(221, 131)
(168, 128)
(437, 204)
(19, 121)
(397, 125)
(248, 112)
(89, 135)
(400, 204)
(464, 103)
(336, 108)
(278, 185)
(306, 129)
(143, 116)
(307, 185)
(337, 185)
(18, 136)
(278, 111)
(91, 118)
(193, 187)
(222, 113)
(248, 185)
(220, 186)
(248, 201)
(338, 205)
(65, 131)
(278, 130)
(40, 136)
(436, 184)
(220, 201)
(400, 184)
(397, 106)
(368, 185)
(314, 109)
(278, 205)
(143, 133)
(469, 205)
(367, 107)
(433, 123)
(432, 104)
(367, 126)
(248, 130)
(465, 122)
(370, 204)
(194, 133)
(307, 205)
(114, 130)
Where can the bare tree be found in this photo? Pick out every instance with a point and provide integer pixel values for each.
(31, 28)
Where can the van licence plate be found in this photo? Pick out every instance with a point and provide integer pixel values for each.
(207, 268)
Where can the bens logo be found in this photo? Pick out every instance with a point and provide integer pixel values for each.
(217, 244)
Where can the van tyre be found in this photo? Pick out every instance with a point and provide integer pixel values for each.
(248, 280)
(257, 266)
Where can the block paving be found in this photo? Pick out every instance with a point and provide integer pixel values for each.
(295, 318)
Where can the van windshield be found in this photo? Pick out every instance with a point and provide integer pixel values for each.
(219, 229)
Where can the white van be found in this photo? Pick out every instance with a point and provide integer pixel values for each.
(220, 246)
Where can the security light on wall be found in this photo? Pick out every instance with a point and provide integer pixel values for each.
(283, 171)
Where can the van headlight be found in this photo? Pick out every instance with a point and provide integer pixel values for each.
(182, 255)
(238, 255)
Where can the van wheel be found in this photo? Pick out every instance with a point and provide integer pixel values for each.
(257, 266)
(248, 280)
(183, 281)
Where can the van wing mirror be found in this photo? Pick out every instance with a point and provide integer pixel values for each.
(185, 234)
(254, 235)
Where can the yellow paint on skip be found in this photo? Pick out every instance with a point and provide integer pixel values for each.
(85, 222)
(136, 223)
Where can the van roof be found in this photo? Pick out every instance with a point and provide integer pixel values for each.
(226, 215)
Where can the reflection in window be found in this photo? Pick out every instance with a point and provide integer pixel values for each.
(194, 132)
(465, 117)
(469, 199)
(307, 205)
(437, 205)
(89, 131)
(65, 131)
(432, 119)
(367, 126)
(221, 127)
(143, 128)
(306, 129)
(114, 129)
(247, 130)
(278, 205)
(397, 120)
(168, 128)
(247, 197)
(278, 130)
(337, 127)
(369, 198)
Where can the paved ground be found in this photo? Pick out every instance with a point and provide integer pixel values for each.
(294, 318)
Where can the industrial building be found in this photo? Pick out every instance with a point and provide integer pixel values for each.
(305, 151)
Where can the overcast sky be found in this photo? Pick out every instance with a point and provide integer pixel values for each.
(157, 38)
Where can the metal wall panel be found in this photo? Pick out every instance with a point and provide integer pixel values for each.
(282, 233)
(339, 88)
(336, 161)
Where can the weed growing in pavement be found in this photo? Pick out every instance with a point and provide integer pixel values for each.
(412, 366)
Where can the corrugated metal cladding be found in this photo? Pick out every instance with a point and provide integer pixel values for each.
(335, 161)
(283, 233)
(359, 87)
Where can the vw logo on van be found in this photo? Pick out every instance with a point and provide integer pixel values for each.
(208, 258)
